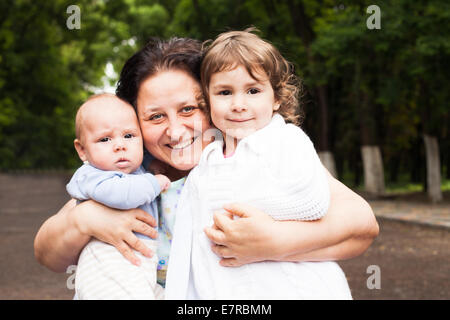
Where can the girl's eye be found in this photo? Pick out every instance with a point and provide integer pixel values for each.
(225, 92)
(253, 91)
(128, 136)
(106, 139)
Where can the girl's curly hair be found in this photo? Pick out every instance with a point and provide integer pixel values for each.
(244, 48)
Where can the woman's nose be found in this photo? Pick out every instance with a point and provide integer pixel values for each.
(175, 130)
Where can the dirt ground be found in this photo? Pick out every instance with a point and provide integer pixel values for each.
(413, 260)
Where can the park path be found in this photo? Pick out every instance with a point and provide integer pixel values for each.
(413, 258)
(26, 201)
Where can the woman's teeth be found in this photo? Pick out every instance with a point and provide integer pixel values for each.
(183, 144)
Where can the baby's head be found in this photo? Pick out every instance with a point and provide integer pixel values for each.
(245, 80)
(108, 134)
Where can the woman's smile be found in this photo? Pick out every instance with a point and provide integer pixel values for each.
(183, 144)
(175, 136)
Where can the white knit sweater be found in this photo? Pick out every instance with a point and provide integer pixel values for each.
(277, 170)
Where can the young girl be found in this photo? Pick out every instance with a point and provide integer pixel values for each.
(262, 161)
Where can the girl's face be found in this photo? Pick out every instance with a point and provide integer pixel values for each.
(240, 105)
(171, 120)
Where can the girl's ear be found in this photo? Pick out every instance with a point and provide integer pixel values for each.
(276, 106)
(80, 150)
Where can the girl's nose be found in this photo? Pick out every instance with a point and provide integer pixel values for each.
(238, 104)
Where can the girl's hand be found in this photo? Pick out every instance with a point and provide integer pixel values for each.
(116, 227)
(250, 238)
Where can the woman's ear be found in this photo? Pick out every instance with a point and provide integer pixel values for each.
(80, 150)
(276, 106)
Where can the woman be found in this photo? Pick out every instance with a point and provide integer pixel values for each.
(162, 82)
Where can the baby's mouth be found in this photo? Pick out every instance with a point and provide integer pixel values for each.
(122, 161)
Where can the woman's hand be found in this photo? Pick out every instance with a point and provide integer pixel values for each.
(116, 227)
(250, 238)
(346, 231)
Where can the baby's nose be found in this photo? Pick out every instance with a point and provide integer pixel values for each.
(119, 146)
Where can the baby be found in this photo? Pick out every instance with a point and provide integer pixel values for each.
(109, 142)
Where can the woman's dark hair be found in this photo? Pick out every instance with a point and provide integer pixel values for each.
(158, 55)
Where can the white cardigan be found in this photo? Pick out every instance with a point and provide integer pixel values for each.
(277, 170)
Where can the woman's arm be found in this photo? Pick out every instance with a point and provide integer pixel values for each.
(346, 231)
(61, 238)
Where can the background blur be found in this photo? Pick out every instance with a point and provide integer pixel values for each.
(375, 100)
(371, 96)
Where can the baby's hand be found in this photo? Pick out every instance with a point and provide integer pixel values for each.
(164, 182)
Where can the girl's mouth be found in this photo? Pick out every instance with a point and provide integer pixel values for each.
(240, 120)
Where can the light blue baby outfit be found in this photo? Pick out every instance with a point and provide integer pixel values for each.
(116, 189)
(102, 271)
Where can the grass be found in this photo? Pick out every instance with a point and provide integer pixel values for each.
(407, 187)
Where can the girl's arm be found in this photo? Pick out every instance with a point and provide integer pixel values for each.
(346, 231)
(61, 238)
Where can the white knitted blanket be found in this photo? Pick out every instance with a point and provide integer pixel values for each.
(277, 170)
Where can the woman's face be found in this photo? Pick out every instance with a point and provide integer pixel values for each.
(171, 120)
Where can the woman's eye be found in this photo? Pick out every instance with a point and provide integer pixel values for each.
(128, 136)
(188, 109)
(106, 139)
(253, 91)
(157, 116)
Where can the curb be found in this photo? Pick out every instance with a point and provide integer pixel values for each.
(433, 224)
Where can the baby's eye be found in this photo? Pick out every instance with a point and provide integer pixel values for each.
(224, 92)
(105, 139)
(128, 136)
(253, 91)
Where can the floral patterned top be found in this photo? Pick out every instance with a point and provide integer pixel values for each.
(167, 206)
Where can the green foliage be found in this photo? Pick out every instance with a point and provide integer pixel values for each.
(391, 83)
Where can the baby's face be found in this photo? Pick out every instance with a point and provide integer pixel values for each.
(111, 138)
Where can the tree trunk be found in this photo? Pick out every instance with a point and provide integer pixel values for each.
(327, 159)
(373, 170)
(370, 151)
(302, 27)
(433, 168)
(321, 92)
(325, 155)
(448, 166)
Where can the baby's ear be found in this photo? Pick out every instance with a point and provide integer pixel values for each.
(80, 149)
